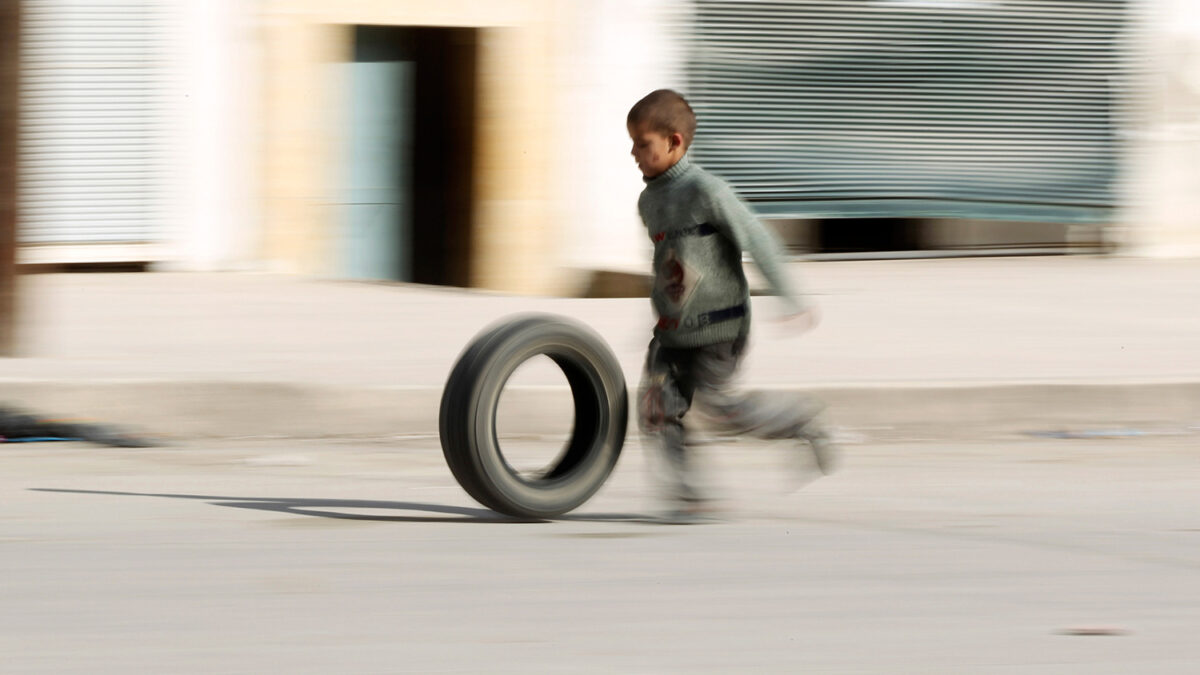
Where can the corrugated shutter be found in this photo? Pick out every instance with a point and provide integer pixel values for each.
(94, 130)
(911, 108)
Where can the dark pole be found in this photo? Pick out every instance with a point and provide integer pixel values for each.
(10, 55)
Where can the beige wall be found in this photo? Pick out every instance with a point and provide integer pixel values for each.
(298, 144)
(302, 139)
(515, 244)
(1161, 216)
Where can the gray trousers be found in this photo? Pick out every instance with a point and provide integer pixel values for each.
(675, 379)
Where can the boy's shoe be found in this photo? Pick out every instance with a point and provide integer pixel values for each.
(825, 453)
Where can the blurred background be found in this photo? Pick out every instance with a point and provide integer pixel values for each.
(482, 143)
(1020, 431)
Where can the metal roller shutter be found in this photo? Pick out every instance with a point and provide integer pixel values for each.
(94, 128)
(1002, 109)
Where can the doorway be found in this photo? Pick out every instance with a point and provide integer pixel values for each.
(407, 200)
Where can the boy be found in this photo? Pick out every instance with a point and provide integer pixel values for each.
(699, 228)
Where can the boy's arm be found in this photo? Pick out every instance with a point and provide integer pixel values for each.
(748, 232)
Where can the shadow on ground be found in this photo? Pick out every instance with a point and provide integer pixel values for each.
(335, 508)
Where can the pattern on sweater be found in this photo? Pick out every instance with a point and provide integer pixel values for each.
(699, 229)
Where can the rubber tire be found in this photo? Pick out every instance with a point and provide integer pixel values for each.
(467, 421)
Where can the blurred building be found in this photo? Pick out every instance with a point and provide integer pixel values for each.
(137, 133)
(482, 143)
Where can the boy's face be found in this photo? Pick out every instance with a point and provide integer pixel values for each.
(654, 151)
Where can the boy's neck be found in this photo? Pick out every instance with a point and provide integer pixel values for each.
(674, 171)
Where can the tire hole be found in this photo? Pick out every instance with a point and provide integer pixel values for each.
(535, 417)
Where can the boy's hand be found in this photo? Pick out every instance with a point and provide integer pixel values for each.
(800, 322)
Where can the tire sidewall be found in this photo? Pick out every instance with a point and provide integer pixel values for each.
(582, 349)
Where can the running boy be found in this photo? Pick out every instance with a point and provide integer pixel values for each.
(699, 228)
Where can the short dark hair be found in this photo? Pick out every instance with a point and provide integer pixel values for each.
(667, 112)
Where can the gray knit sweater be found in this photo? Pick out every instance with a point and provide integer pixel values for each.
(700, 228)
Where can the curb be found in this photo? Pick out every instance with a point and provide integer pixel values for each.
(214, 409)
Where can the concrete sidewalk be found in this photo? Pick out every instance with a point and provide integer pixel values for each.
(947, 346)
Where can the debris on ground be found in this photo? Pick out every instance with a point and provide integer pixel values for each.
(17, 426)
(1110, 433)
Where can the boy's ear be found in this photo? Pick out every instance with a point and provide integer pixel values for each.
(676, 140)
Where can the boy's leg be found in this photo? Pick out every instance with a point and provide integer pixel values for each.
(664, 397)
(773, 415)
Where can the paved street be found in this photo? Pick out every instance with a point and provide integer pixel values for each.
(1003, 555)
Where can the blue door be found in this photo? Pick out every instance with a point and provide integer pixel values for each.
(377, 202)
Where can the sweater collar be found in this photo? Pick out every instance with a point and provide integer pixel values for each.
(678, 169)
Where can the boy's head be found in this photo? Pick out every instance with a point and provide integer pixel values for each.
(661, 126)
